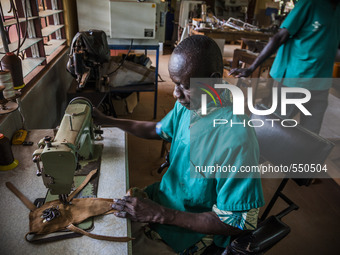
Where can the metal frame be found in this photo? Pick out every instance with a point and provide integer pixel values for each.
(147, 87)
(278, 193)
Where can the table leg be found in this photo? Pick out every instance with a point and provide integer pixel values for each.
(156, 84)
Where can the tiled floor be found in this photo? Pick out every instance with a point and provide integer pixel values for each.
(315, 227)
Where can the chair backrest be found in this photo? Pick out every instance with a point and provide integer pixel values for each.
(282, 145)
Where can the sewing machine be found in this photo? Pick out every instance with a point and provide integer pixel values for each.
(111, 152)
(57, 159)
(89, 52)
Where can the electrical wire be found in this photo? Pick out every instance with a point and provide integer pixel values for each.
(26, 28)
(17, 25)
(15, 12)
(121, 63)
(3, 31)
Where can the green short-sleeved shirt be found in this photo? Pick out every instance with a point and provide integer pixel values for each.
(314, 31)
(223, 145)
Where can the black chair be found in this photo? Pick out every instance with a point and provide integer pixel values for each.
(280, 146)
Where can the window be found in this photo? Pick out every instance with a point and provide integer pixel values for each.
(33, 29)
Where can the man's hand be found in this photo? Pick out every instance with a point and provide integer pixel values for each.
(145, 210)
(139, 209)
(281, 37)
(241, 72)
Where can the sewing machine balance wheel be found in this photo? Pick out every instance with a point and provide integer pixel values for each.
(82, 100)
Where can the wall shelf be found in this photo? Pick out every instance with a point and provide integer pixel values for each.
(28, 64)
(46, 31)
(52, 45)
(14, 21)
(28, 43)
(46, 13)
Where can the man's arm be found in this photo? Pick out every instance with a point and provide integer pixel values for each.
(142, 129)
(277, 40)
(145, 210)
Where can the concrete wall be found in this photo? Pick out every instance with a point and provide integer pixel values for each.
(44, 105)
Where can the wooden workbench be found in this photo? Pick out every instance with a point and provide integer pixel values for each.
(113, 183)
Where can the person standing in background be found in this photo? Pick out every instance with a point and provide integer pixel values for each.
(307, 44)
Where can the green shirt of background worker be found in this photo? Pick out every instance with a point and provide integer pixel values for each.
(180, 209)
(307, 44)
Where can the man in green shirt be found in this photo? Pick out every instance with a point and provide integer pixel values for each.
(182, 210)
(307, 44)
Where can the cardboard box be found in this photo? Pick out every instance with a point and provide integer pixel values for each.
(126, 105)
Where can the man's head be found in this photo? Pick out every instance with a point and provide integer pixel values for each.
(195, 57)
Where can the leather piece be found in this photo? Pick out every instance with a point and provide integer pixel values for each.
(99, 237)
(270, 232)
(79, 210)
(21, 196)
(74, 213)
(82, 185)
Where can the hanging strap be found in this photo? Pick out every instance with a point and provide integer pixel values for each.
(82, 185)
(83, 232)
(32, 207)
(21, 196)
(99, 237)
(29, 237)
(110, 212)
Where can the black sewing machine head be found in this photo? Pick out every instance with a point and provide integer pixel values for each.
(89, 51)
